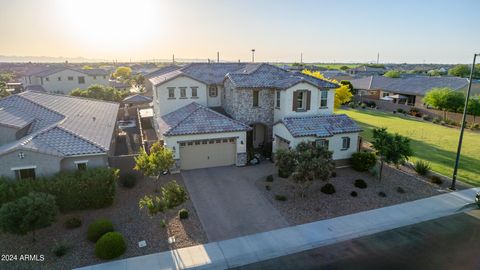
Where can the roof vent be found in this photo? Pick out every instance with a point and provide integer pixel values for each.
(94, 118)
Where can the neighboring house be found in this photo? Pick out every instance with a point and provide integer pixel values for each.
(42, 134)
(337, 75)
(408, 90)
(158, 72)
(14, 87)
(209, 114)
(63, 80)
(118, 85)
(366, 71)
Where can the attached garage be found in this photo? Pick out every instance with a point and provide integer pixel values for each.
(207, 153)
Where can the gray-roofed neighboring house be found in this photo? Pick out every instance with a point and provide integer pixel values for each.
(49, 133)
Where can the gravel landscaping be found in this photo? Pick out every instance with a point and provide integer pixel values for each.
(134, 224)
(317, 205)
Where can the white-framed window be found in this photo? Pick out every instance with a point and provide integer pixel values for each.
(26, 172)
(171, 92)
(81, 165)
(323, 143)
(301, 100)
(345, 143)
(385, 94)
(213, 91)
(183, 92)
(81, 80)
(323, 98)
(194, 91)
(256, 98)
(277, 99)
(70, 78)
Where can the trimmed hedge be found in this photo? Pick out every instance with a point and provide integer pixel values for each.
(363, 161)
(110, 246)
(328, 189)
(98, 228)
(91, 189)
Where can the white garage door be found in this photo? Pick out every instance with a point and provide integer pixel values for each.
(207, 153)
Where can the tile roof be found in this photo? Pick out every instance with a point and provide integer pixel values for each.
(137, 99)
(197, 119)
(415, 85)
(320, 126)
(63, 125)
(161, 71)
(91, 72)
(11, 117)
(269, 76)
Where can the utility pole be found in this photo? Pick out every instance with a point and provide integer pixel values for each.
(173, 59)
(462, 129)
(218, 57)
(301, 58)
(378, 58)
(253, 55)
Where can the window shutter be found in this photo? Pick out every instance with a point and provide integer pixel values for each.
(308, 99)
(294, 103)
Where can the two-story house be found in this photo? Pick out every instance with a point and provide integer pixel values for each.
(63, 80)
(209, 114)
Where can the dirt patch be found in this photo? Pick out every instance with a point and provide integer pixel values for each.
(317, 205)
(128, 219)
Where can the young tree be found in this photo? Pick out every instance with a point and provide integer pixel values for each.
(343, 68)
(158, 161)
(442, 99)
(122, 73)
(474, 107)
(314, 162)
(100, 92)
(34, 211)
(391, 148)
(285, 161)
(392, 74)
(459, 71)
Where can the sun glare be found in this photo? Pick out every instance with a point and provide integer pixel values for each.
(116, 26)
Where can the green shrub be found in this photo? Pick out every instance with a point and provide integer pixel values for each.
(280, 197)
(353, 194)
(285, 161)
(363, 105)
(422, 167)
(163, 223)
(111, 245)
(382, 194)
(427, 117)
(73, 222)
(363, 161)
(400, 190)
(128, 180)
(475, 126)
(360, 183)
(98, 228)
(183, 213)
(436, 180)
(60, 248)
(436, 120)
(91, 189)
(328, 189)
(400, 110)
(334, 174)
(268, 187)
(269, 178)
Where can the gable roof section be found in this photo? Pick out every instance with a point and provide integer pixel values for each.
(137, 99)
(269, 76)
(320, 126)
(62, 124)
(415, 85)
(91, 72)
(161, 71)
(197, 119)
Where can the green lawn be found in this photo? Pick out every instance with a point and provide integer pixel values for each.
(336, 66)
(431, 142)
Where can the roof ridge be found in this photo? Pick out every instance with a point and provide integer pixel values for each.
(229, 118)
(66, 96)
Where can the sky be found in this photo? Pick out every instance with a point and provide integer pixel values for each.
(408, 31)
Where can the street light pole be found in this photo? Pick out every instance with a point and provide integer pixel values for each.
(462, 129)
(253, 55)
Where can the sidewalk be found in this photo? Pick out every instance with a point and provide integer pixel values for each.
(262, 246)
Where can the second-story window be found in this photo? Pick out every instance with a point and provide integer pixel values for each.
(213, 91)
(277, 99)
(81, 80)
(47, 79)
(183, 92)
(323, 99)
(194, 92)
(256, 97)
(59, 78)
(171, 92)
(345, 143)
(70, 78)
(301, 100)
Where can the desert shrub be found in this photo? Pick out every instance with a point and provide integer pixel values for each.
(128, 180)
(363, 105)
(400, 190)
(334, 174)
(111, 245)
(422, 167)
(415, 112)
(400, 110)
(280, 197)
(183, 213)
(267, 187)
(352, 105)
(98, 228)
(475, 126)
(382, 194)
(360, 183)
(436, 120)
(353, 194)
(163, 223)
(427, 117)
(285, 161)
(328, 189)
(269, 178)
(60, 248)
(91, 189)
(363, 161)
(73, 222)
(436, 180)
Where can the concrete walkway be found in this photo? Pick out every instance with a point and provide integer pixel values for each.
(267, 245)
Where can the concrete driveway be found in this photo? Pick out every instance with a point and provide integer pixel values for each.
(228, 202)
